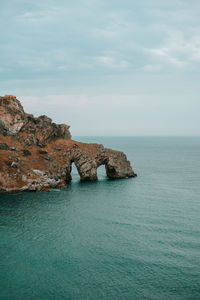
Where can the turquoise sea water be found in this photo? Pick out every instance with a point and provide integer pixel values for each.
(112, 239)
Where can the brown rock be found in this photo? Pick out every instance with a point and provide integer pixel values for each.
(11, 115)
(4, 146)
(27, 167)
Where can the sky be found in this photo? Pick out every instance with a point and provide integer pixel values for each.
(105, 67)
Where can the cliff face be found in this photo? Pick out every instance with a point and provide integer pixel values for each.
(25, 127)
(12, 116)
(36, 154)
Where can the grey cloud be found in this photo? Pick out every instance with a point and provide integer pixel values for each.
(100, 48)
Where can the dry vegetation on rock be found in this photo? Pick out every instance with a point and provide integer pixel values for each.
(37, 154)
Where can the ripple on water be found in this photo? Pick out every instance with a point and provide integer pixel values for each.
(125, 239)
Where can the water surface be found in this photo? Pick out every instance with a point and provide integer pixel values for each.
(113, 239)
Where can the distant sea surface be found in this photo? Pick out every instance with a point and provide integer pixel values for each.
(135, 238)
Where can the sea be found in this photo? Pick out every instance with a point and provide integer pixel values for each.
(136, 238)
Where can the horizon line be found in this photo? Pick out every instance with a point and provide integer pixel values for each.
(136, 136)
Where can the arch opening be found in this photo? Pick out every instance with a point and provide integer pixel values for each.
(74, 172)
(101, 172)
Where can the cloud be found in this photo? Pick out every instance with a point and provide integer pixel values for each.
(112, 62)
(165, 56)
(147, 50)
(28, 16)
(152, 68)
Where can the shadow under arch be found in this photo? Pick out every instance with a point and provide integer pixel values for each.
(75, 172)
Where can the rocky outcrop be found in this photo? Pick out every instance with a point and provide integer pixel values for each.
(12, 116)
(41, 130)
(37, 154)
(26, 128)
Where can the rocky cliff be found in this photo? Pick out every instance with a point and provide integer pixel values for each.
(37, 154)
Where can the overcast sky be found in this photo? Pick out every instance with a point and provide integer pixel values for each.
(105, 67)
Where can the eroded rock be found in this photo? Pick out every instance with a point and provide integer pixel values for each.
(29, 130)
(12, 116)
(25, 166)
(4, 146)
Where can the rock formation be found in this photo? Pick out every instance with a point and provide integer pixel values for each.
(37, 154)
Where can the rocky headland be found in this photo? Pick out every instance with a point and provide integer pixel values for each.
(37, 154)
